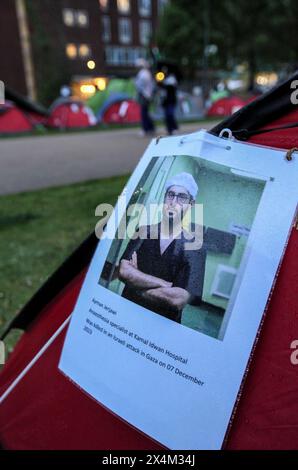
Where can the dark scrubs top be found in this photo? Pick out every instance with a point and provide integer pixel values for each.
(183, 268)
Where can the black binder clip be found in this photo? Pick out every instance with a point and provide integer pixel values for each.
(289, 154)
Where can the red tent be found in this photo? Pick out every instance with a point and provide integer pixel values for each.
(44, 410)
(32, 111)
(13, 120)
(251, 98)
(127, 111)
(226, 106)
(69, 114)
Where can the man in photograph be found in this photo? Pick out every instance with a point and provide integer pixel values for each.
(158, 272)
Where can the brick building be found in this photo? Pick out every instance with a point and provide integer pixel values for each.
(47, 43)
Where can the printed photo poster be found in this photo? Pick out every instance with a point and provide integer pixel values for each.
(171, 306)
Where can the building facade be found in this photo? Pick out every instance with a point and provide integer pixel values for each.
(52, 42)
(12, 65)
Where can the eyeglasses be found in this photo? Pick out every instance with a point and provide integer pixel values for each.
(182, 198)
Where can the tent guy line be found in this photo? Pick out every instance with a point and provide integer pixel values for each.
(34, 360)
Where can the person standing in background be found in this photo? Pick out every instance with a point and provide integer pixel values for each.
(145, 89)
(169, 101)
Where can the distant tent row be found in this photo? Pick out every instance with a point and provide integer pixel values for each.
(19, 115)
(68, 114)
(115, 105)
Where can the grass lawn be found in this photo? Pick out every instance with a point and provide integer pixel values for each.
(39, 229)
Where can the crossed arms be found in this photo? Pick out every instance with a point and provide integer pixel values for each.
(153, 289)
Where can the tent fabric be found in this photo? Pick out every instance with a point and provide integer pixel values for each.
(33, 112)
(226, 106)
(67, 413)
(25, 104)
(112, 99)
(125, 111)
(281, 138)
(69, 114)
(47, 411)
(13, 120)
(116, 86)
(37, 119)
(273, 105)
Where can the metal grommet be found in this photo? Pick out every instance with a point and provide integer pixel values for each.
(289, 154)
(226, 133)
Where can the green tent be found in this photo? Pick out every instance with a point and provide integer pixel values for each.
(115, 86)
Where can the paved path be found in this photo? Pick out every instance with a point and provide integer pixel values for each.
(29, 163)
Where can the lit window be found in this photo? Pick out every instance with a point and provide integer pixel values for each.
(131, 55)
(135, 53)
(121, 56)
(84, 51)
(71, 51)
(68, 17)
(82, 18)
(113, 55)
(123, 6)
(106, 29)
(104, 4)
(145, 7)
(145, 32)
(108, 55)
(124, 30)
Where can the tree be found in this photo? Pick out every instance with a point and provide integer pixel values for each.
(51, 69)
(180, 35)
(261, 33)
